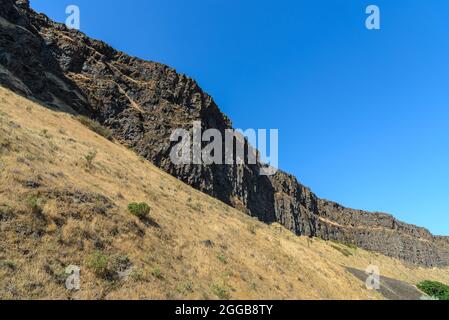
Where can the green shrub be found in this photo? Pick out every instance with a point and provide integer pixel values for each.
(98, 263)
(95, 127)
(185, 288)
(221, 292)
(138, 275)
(157, 273)
(252, 228)
(434, 289)
(44, 133)
(35, 204)
(140, 210)
(222, 258)
(90, 157)
(5, 143)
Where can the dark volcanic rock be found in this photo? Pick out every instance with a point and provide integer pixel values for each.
(27, 65)
(142, 102)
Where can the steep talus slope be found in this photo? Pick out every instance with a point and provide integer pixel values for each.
(142, 102)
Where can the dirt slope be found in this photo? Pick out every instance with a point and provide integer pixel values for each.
(57, 209)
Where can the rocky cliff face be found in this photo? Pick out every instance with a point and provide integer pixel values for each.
(142, 102)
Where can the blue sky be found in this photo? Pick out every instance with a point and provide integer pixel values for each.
(363, 116)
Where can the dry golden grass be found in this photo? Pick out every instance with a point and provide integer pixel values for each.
(57, 208)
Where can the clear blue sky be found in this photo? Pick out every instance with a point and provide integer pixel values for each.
(363, 115)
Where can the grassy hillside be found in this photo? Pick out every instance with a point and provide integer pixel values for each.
(64, 197)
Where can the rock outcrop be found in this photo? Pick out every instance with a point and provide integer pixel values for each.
(142, 102)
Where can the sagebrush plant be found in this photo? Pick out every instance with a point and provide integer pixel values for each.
(140, 210)
(434, 289)
(222, 258)
(252, 228)
(157, 273)
(5, 143)
(185, 288)
(35, 204)
(98, 262)
(90, 157)
(221, 292)
(95, 127)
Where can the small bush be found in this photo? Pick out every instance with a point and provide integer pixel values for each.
(138, 275)
(35, 204)
(95, 127)
(157, 273)
(90, 157)
(98, 263)
(252, 228)
(9, 265)
(434, 289)
(44, 133)
(222, 258)
(196, 206)
(140, 210)
(5, 143)
(185, 288)
(221, 292)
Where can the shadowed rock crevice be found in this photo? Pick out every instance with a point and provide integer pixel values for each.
(142, 102)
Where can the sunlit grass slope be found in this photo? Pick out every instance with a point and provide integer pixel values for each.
(64, 196)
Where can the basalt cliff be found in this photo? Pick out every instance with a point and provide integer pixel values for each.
(142, 102)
